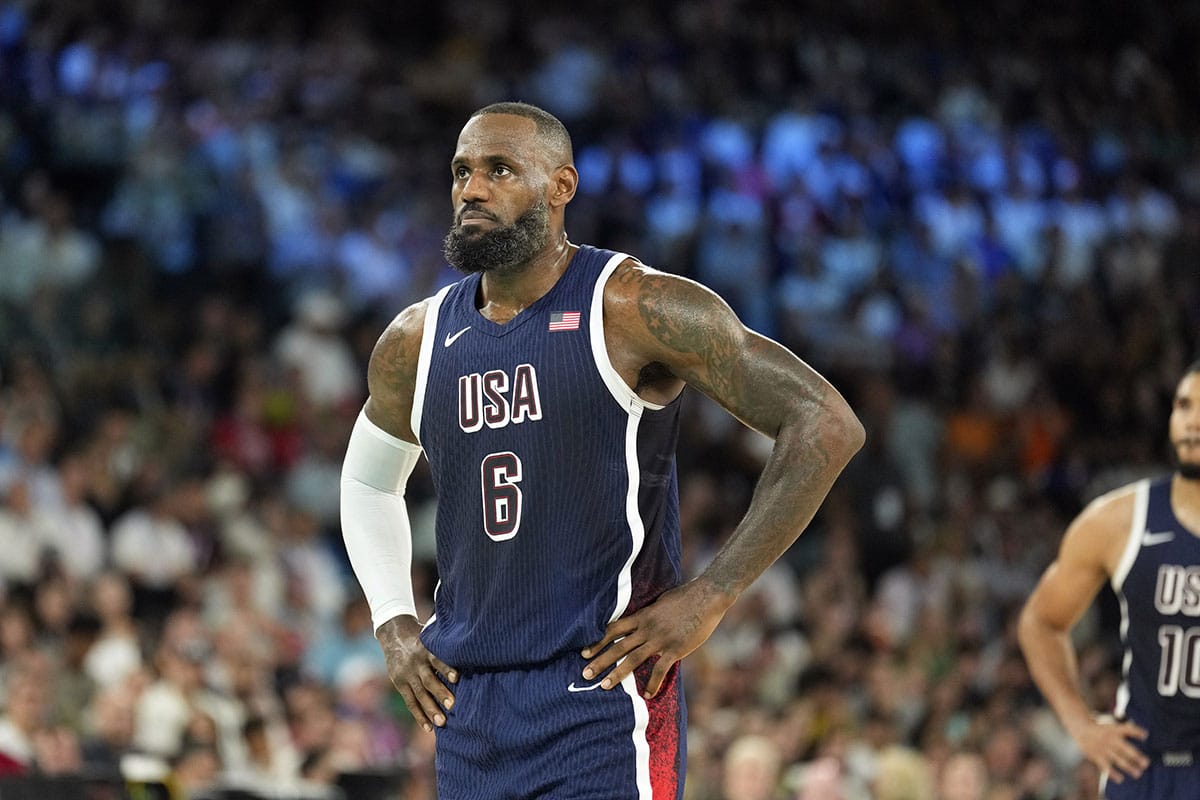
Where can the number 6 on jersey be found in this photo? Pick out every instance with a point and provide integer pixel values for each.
(500, 474)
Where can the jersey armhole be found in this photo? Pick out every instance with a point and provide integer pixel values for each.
(426, 355)
(617, 387)
(1137, 524)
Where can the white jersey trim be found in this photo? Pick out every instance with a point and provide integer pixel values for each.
(620, 390)
(641, 721)
(633, 405)
(637, 531)
(1137, 525)
(633, 517)
(1122, 699)
(426, 356)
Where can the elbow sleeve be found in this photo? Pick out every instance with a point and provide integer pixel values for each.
(375, 526)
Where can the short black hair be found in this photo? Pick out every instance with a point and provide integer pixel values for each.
(549, 127)
(1193, 367)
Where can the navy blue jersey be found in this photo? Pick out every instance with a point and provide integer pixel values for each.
(1158, 585)
(557, 492)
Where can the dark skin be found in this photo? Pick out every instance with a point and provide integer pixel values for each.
(663, 332)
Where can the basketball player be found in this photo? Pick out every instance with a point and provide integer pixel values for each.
(544, 389)
(1143, 539)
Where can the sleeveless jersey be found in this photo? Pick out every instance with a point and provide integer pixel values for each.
(557, 492)
(1157, 584)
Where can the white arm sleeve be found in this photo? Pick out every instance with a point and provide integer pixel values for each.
(375, 519)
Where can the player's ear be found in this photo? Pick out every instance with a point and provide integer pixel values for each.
(563, 183)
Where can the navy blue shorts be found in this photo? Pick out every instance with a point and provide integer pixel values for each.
(545, 732)
(1164, 779)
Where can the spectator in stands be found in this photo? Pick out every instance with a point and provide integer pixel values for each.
(752, 769)
(78, 540)
(311, 347)
(106, 734)
(25, 534)
(27, 710)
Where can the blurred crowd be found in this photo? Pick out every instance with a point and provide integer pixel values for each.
(983, 227)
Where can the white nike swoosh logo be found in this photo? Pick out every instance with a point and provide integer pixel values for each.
(573, 688)
(1150, 539)
(451, 337)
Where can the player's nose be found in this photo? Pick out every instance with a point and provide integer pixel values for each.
(476, 188)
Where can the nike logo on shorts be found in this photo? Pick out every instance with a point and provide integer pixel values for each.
(452, 336)
(571, 687)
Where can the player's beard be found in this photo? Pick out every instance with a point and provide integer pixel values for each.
(502, 248)
(1186, 469)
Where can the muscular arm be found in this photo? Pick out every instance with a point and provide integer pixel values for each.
(693, 333)
(1088, 555)
(375, 520)
(392, 373)
(678, 325)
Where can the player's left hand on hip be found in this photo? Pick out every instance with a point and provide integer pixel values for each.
(674, 625)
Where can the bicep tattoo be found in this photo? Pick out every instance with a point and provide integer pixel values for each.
(391, 375)
(757, 380)
(391, 368)
(689, 321)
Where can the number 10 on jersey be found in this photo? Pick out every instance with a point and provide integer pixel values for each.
(500, 474)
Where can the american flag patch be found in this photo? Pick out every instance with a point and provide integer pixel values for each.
(564, 321)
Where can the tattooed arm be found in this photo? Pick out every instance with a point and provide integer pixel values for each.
(375, 526)
(392, 373)
(664, 331)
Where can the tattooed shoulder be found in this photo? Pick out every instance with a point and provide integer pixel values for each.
(392, 370)
(629, 272)
(695, 332)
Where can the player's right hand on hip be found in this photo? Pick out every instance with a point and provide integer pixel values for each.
(417, 673)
